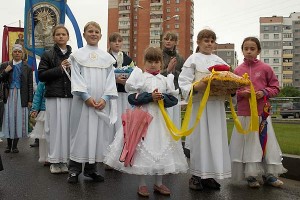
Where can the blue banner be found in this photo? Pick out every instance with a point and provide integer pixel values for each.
(40, 18)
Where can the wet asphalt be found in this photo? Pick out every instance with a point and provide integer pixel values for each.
(24, 178)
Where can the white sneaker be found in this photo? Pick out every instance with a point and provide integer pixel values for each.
(63, 167)
(55, 168)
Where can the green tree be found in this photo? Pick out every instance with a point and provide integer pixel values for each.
(289, 91)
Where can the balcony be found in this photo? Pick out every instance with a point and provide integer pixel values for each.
(158, 3)
(156, 20)
(124, 3)
(124, 11)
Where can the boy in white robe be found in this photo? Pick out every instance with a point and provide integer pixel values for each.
(94, 90)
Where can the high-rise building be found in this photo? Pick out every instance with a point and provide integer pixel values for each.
(227, 53)
(280, 40)
(142, 23)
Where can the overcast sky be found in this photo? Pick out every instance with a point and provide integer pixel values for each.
(232, 20)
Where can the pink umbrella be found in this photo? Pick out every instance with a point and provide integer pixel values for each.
(135, 125)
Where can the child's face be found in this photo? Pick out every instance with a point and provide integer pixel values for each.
(92, 35)
(206, 45)
(116, 46)
(250, 50)
(152, 65)
(61, 37)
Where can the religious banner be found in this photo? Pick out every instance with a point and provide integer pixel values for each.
(11, 36)
(40, 18)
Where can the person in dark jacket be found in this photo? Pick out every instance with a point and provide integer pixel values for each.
(172, 64)
(54, 70)
(16, 78)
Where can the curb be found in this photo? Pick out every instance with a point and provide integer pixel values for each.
(291, 163)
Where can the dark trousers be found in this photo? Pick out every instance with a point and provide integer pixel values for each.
(76, 167)
(12, 143)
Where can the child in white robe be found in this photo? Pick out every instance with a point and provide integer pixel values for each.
(208, 144)
(94, 90)
(157, 154)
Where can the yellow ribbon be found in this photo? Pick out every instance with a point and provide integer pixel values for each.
(254, 121)
(184, 131)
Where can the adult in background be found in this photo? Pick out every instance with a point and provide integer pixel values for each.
(16, 77)
(172, 64)
(58, 99)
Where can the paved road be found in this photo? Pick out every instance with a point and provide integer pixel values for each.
(24, 178)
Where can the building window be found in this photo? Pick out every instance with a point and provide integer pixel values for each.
(168, 1)
(266, 60)
(168, 26)
(275, 28)
(228, 53)
(176, 9)
(177, 1)
(266, 36)
(228, 61)
(168, 10)
(276, 36)
(266, 28)
(266, 52)
(275, 60)
(176, 26)
(287, 35)
(276, 52)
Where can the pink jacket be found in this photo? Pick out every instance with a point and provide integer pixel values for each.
(262, 78)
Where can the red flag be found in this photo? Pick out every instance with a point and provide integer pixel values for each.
(11, 36)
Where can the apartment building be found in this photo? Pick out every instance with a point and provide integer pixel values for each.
(280, 40)
(227, 53)
(142, 23)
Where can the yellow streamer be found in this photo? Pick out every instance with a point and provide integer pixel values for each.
(254, 121)
(184, 131)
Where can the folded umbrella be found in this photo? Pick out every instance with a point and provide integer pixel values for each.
(135, 125)
(263, 127)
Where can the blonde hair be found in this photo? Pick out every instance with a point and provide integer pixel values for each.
(91, 23)
(171, 35)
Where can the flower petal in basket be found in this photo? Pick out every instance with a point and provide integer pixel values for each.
(223, 81)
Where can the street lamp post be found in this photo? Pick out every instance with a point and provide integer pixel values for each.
(160, 24)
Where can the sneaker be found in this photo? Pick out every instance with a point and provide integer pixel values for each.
(96, 177)
(195, 183)
(55, 168)
(252, 182)
(143, 191)
(162, 189)
(272, 180)
(73, 178)
(210, 183)
(63, 168)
